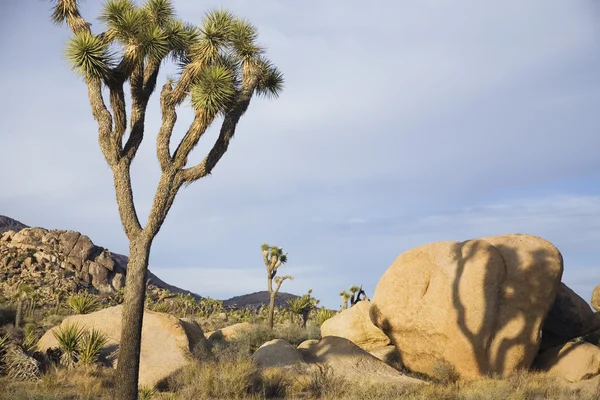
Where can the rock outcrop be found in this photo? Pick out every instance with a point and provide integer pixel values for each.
(570, 317)
(350, 362)
(277, 353)
(166, 341)
(596, 298)
(230, 332)
(35, 255)
(355, 325)
(477, 306)
(573, 361)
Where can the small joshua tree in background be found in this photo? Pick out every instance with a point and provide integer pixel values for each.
(345, 297)
(273, 257)
(356, 293)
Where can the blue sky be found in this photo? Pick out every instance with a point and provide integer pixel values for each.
(402, 123)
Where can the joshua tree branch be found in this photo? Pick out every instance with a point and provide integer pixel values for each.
(228, 127)
(169, 117)
(191, 138)
(126, 205)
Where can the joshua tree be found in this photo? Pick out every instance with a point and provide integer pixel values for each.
(345, 297)
(220, 69)
(273, 257)
(356, 293)
(23, 292)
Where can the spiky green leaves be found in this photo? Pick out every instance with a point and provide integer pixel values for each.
(270, 80)
(62, 10)
(214, 89)
(124, 20)
(243, 38)
(161, 12)
(89, 55)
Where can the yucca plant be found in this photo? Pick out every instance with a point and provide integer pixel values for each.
(221, 69)
(146, 393)
(3, 346)
(68, 338)
(90, 345)
(82, 303)
(323, 315)
(29, 342)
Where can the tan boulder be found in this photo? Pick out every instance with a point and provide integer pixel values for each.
(355, 325)
(277, 353)
(307, 343)
(389, 355)
(165, 340)
(230, 332)
(477, 306)
(570, 317)
(574, 361)
(350, 362)
(596, 298)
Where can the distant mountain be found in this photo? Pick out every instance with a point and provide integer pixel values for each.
(9, 224)
(255, 300)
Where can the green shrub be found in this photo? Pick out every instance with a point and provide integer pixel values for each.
(82, 303)
(323, 315)
(91, 344)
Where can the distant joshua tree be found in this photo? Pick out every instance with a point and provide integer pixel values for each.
(273, 257)
(355, 294)
(221, 68)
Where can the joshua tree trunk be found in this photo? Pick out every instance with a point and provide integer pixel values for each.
(132, 317)
(19, 314)
(271, 307)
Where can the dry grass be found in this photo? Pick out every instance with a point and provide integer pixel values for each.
(233, 375)
(79, 384)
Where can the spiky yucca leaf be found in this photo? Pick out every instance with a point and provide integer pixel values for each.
(89, 55)
(68, 338)
(90, 346)
(323, 315)
(146, 393)
(155, 44)
(124, 20)
(62, 9)
(82, 303)
(270, 80)
(161, 12)
(29, 342)
(214, 89)
(354, 289)
(216, 27)
(283, 258)
(182, 37)
(243, 39)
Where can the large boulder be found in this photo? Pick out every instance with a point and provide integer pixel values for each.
(570, 317)
(350, 362)
(475, 306)
(277, 353)
(231, 332)
(574, 361)
(355, 325)
(166, 340)
(389, 355)
(596, 298)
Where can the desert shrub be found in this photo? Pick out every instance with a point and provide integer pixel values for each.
(226, 378)
(292, 333)
(146, 393)
(90, 345)
(18, 365)
(323, 315)
(68, 338)
(445, 373)
(82, 303)
(251, 340)
(323, 382)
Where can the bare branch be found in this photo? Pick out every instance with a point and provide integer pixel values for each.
(104, 119)
(117, 103)
(167, 189)
(280, 280)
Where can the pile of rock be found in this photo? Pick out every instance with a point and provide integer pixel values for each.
(51, 260)
(488, 306)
